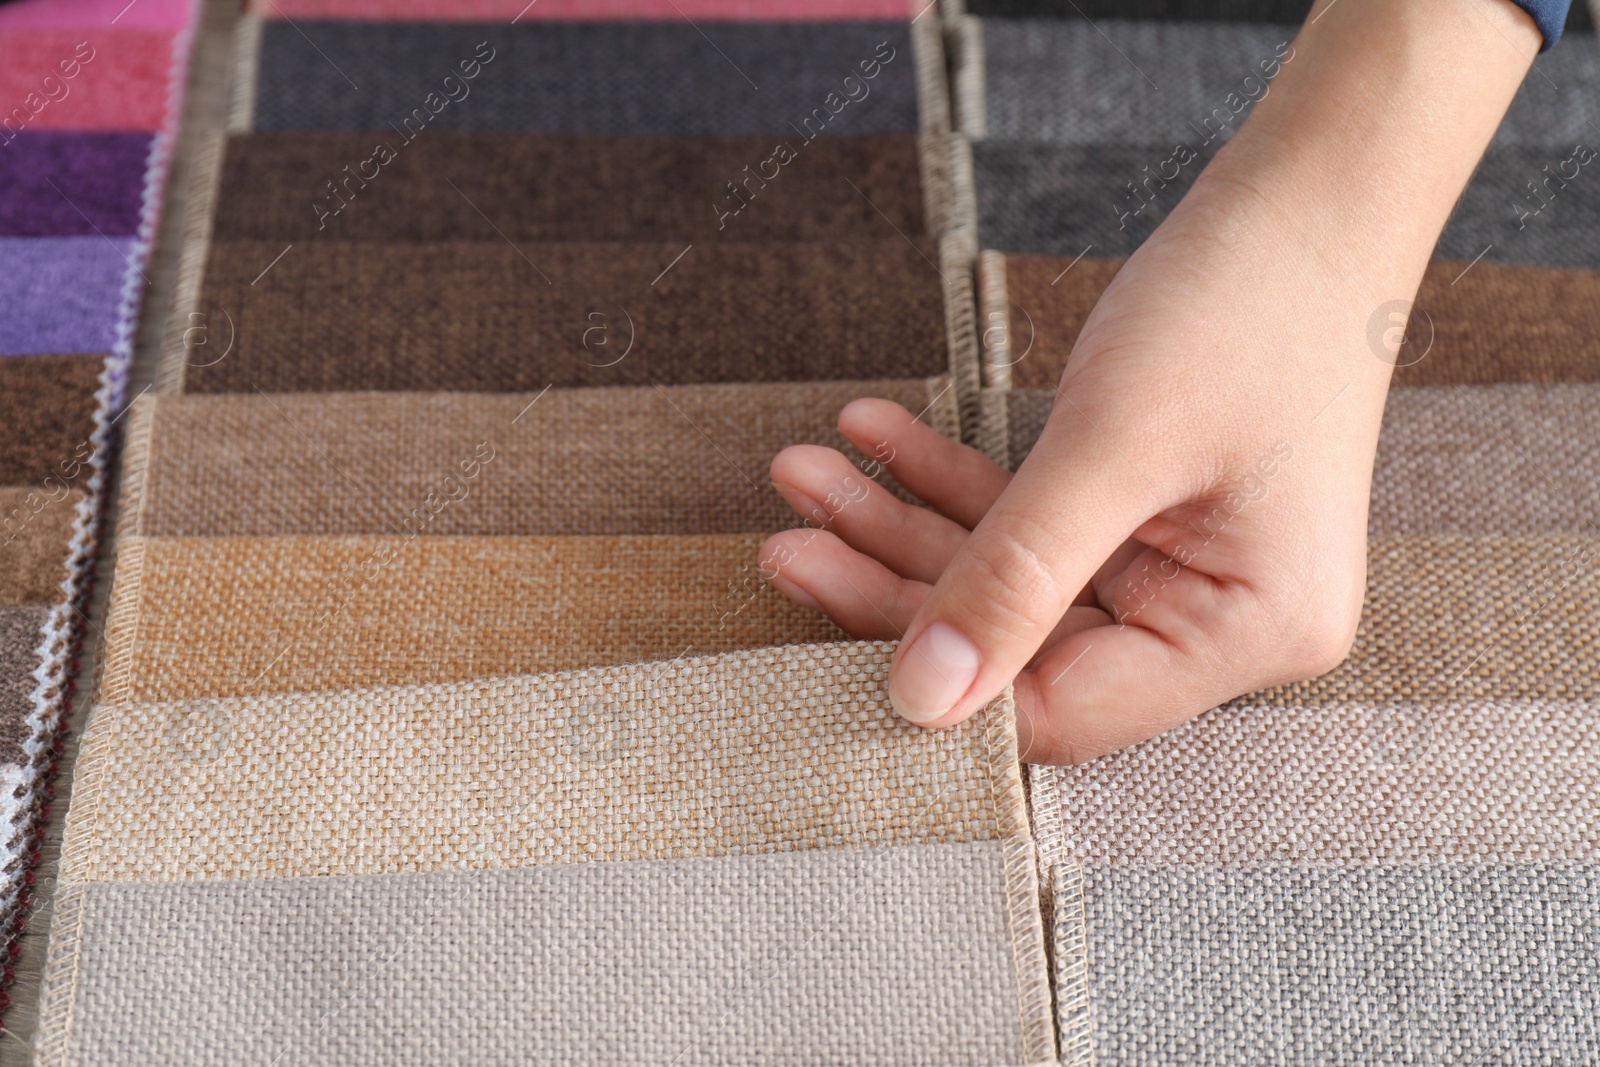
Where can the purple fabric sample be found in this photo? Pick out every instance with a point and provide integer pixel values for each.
(68, 184)
(60, 295)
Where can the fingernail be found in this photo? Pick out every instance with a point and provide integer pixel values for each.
(934, 673)
(795, 593)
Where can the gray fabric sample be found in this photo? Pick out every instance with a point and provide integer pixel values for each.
(1444, 464)
(895, 956)
(1321, 965)
(21, 634)
(1069, 82)
(1055, 200)
(1065, 81)
(577, 77)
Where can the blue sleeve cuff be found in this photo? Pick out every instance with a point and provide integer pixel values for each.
(1549, 16)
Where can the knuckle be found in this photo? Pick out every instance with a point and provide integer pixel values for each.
(1009, 579)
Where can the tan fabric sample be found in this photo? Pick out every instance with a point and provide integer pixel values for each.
(35, 542)
(761, 751)
(1497, 323)
(235, 616)
(675, 460)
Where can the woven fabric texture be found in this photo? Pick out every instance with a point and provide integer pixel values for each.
(499, 317)
(62, 294)
(1059, 200)
(748, 752)
(118, 82)
(878, 957)
(43, 441)
(579, 188)
(1479, 323)
(730, 78)
(679, 460)
(233, 616)
(36, 535)
(21, 635)
(72, 184)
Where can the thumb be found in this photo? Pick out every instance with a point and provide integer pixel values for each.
(1073, 502)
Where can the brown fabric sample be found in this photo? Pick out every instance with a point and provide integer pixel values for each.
(1497, 323)
(35, 542)
(238, 616)
(565, 188)
(486, 316)
(748, 752)
(49, 418)
(21, 635)
(632, 460)
(1511, 459)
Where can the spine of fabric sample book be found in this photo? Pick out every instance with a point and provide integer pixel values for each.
(488, 316)
(717, 860)
(560, 77)
(1475, 324)
(84, 145)
(626, 460)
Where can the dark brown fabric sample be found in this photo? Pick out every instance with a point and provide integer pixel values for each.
(482, 316)
(20, 638)
(49, 416)
(35, 541)
(275, 187)
(631, 460)
(1497, 323)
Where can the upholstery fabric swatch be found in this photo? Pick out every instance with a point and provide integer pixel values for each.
(1360, 964)
(1450, 460)
(749, 752)
(62, 294)
(507, 10)
(45, 438)
(726, 78)
(72, 184)
(85, 14)
(492, 316)
(526, 188)
(1479, 323)
(627, 460)
(120, 81)
(21, 635)
(1058, 200)
(237, 616)
(35, 542)
(885, 956)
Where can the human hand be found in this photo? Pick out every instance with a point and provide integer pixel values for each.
(1191, 524)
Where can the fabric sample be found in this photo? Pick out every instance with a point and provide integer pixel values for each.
(493, 317)
(1478, 460)
(1057, 81)
(749, 752)
(215, 617)
(528, 188)
(1412, 781)
(1488, 963)
(518, 11)
(63, 294)
(883, 956)
(73, 184)
(21, 634)
(591, 461)
(116, 82)
(1061, 200)
(35, 542)
(95, 14)
(1479, 323)
(664, 78)
(48, 436)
